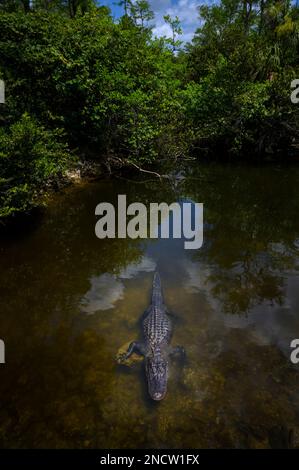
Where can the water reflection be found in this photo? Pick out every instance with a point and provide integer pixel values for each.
(107, 289)
(69, 301)
(251, 239)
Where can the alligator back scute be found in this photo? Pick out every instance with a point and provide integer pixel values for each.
(157, 296)
(157, 327)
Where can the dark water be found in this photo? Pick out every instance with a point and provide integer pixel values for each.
(69, 301)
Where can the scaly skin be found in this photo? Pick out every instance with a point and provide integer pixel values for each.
(157, 332)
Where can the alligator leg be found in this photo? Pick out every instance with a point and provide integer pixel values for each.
(135, 347)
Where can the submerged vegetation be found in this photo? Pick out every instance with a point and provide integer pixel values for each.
(79, 82)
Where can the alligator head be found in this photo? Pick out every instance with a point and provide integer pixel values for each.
(157, 374)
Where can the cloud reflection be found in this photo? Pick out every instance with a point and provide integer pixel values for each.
(107, 289)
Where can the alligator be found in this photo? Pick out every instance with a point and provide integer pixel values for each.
(156, 349)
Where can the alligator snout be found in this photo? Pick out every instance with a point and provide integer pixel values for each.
(158, 396)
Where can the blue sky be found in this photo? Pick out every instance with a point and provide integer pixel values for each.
(186, 10)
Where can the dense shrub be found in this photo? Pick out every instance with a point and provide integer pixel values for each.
(30, 158)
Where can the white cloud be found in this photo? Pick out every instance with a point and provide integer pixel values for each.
(162, 30)
(146, 265)
(186, 10)
(104, 292)
(107, 289)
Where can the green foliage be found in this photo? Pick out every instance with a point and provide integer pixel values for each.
(141, 12)
(30, 158)
(176, 30)
(241, 64)
(115, 91)
(110, 87)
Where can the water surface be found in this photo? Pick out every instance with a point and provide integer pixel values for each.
(69, 301)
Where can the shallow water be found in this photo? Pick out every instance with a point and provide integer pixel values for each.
(69, 301)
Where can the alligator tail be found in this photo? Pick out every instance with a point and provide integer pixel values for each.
(157, 297)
